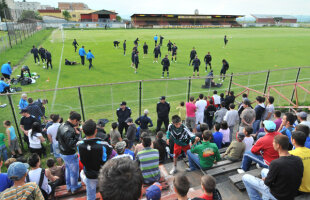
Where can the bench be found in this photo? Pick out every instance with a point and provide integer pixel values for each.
(237, 178)
(224, 168)
(61, 191)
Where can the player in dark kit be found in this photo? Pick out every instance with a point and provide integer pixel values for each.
(136, 61)
(24, 68)
(161, 38)
(169, 45)
(136, 41)
(156, 53)
(225, 67)
(208, 59)
(116, 44)
(124, 47)
(75, 44)
(196, 64)
(192, 56)
(165, 63)
(145, 49)
(174, 53)
(48, 59)
(225, 41)
(42, 54)
(133, 53)
(35, 53)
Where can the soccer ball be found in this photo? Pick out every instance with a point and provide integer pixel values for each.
(44, 67)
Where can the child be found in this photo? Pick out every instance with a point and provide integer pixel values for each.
(181, 136)
(222, 97)
(236, 149)
(114, 134)
(182, 111)
(181, 186)
(127, 150)
(248, 140)
(55, 170)
(160, 145)
(208, 184)
(217, 136)
(12, 139)
(3, 151)
(226, 134)
(131, 132)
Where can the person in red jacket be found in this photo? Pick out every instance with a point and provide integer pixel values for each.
(262, 152)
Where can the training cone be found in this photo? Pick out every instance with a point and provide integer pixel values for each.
(48, 79)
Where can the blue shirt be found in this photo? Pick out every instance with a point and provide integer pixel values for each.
(12, 133)
(89, 56)
(3, 85)
(5, 182)
(144, 122)
(288, 132)
(155, 38)
(23, 103)
(217, 139)
(82, 52)
(129, 152)
(307, 143)
(6, 69)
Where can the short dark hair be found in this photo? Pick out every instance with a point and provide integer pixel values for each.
(50, 162)
(214, 92)
(248, 130)
(204, 127)
(7, 123)
(191, 98)
(223, 104)
(127, 142)
(181, 184)
(114, 125)
(222, 95)
(33, 160)
(232, 106)
(207, 135)
(182, 103)
(282, 140)
(232, 93)
(224, 125)
(299, 137)
(89, 127)
(260, 99)
(277, 113)
(75, 116)
(200, 96)
(208, 182)
(271, 99)
(146, 142)
(303, 128)
(160, 134)
(30, 100)
(211, 101)
(55, 117)
(120, 179)
(36, 127)
(290, 118)
(176, 119)
(217, 126)
(244, 95)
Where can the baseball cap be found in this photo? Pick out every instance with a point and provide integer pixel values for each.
(162, 98)
(241, 136)
(154, 192)
(120, 145)
(25, 110)
(128, 120)
(302, 114)
(146, 111)
(17, 170)
(269, 125)
(102, 122)
(123, 103)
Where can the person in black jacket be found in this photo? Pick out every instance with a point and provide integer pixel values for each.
(116, 43)
(133, 53)
(192, 56)
(225, 41)
(209, 114)
(42, 54)
(174, 53)
(165, 63)
(24, 68)
(124, 47)
(156, 53)
(75, 44)
(136, 42)
(229, 99)
(48, 59)
(224, 69)
(136, 61)
(169, 45)
(35, 53)
(145, 49)
(196, 64)
(161, 38)
(162, 109)
(208, 59)
(68, 135)
(123, 113)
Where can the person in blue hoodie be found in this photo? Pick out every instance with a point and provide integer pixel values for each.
(6, 70)
(82, 54)
(155, 39)
(90, 57)
(23, 102)
(4, 87)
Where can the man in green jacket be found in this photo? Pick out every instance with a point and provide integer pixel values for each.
(204, 155)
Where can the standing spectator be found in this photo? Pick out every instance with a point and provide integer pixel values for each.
(240, 107)
(123, 113)
(6, 71)
(269, 109)
(148, 160)
(247, 116)
(259, 111)
(12, 139)
(287, 126)
(208, 184)
(209, 114)
(35, 53)
(4, 87)
(51, 134)
(21, 190)
(163, 109)
(160, 145)
(277, 120)
(3, 151)
(302, 117)
(36, 139)
(181, 186)
(226, 134)
(229, 99)
(217, 135)
(82, 54)
(5, 182)
(48, 59)
(190, 114)
(34, 109)
(115, 135)
(232, 119)
(222, 97)
(262, 152)
(182, 111)
(26, 123)
(248, 140)
(144, 122)
(236, 149)
(94, 153)
(201, 104)
(23, 102)
(220, 114)
(283, 178)
(89, 57)
(68, 135)
(216, 99)
(131, 132)
(208, 59)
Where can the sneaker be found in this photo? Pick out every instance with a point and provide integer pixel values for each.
(175, 61)
(173, 171)
(77, 190)
(188, 169)
(219, 79)
(162, 77)
(3, 105)
(222, 81)
(240, 171)
(257, 165)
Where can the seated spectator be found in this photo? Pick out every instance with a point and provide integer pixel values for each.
(55, 170)
(36, 173)
(202, 127)
(127, 150)
(100, 130)
(131, 132)
(220, 114)
(302, 117)
(261, 132)
(248, 140)
(287, 126)
(144, 122)
(236, 149)
(306, 130)
(51, 134)
(3, 151)
(23, 102)
(160, 145)
(139, 146)
(4, 87)
(298, 140)
(181, 186)
(226, 134)
(217, 136)
(154, 192)
(222, 97)
(120, 179)
(120, 150)
(204, 155)
(5, 182)
(36, 139)
(208, 184)
(283, 178)
(114, 134)
(277, 119)
(262, 152)
(148, 160)
(17, 172)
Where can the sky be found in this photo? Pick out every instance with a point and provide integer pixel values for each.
(125, 8)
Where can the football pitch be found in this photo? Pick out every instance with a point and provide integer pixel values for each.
(248, 50)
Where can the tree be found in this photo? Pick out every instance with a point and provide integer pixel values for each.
(66, 15)
(118, 18)
(29, 15)
(4, 8)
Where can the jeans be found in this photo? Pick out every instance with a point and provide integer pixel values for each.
(193, 160)
(247, 159)
(255, 186)
(261, 134)
(91, 185)
(256, 125)
(3, 152)
(72, 171)
(231, 128)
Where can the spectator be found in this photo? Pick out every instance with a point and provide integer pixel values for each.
(26, 123)
(154, 192)
(94, 153)
(226, 134)
(21, 190)
(232, 119)
(36, 139)
(144, 122)
(139, 146)
(287, 126)
(181, 137)
(204, 155)
(120, 179)
(128, 151)
(217, 136)
(131, 132)
(240, 107)
(219, 115)
(100, 130)
(190, 114)
(23, 102)
(36, 173)
(208, 184)
(306, 130)
(162, 109)
(302, 117)
(51, 134)
(4, 87)
(3, 151)
(148, 160)
(56, 171)
(12, 139)
(160, 145)
(216, 99)
(209, 114)
(182, 111)
(248, 140)
(230, 99)
(269, 109)
(181, 186)
(8, 162)
(123, 113)
(68, 135)
(34, 109)
(5, 182)
(120, 150)
(41, 104)
(262, 152)
(277, 120)
(259, 111)
(236, 149)
(6, 70)
(202, 127)
(283, 178)
(222, 97)
(114, 134)
(201, 105)
(298, 140)
(247, 116)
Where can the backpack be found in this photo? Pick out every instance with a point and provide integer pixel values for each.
(45, 195)
(25, 81)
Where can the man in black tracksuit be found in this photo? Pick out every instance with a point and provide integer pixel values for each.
(159, 51)
(136, 61)
(75, 44)
(192, 56)
(136, 41)
(225, 67)
(163, 109)
(35, 53)
(174, 53)
(169, 45)
(48, 59)
(123, 113)
(225, 41)
(196, 64)
(145, 49)
(124, 47)
(156, 53)
(165, 63)
(24, 68)
(133, 53)
(116, 44)
(208, 59)
(42, 54)
(161, 38)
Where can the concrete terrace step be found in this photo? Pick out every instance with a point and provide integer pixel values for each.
(223, 169)
(237, 178)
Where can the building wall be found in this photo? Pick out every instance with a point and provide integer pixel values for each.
(72, 6)
(51, 13)
(75, 15)
(271, 20)
(113, 17)
(34, 6)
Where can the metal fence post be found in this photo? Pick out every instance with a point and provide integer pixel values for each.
(140, 98)
(230, 82)
(189, 88)
(7, 27)
(297, 77)
(267, 80)
(81, 103)
(15, 120)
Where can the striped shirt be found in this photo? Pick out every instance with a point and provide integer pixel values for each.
(148, 159)
(28, 191)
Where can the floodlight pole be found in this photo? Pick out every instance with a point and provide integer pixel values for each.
(81, 103)
(230, 82)
(140, 98)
